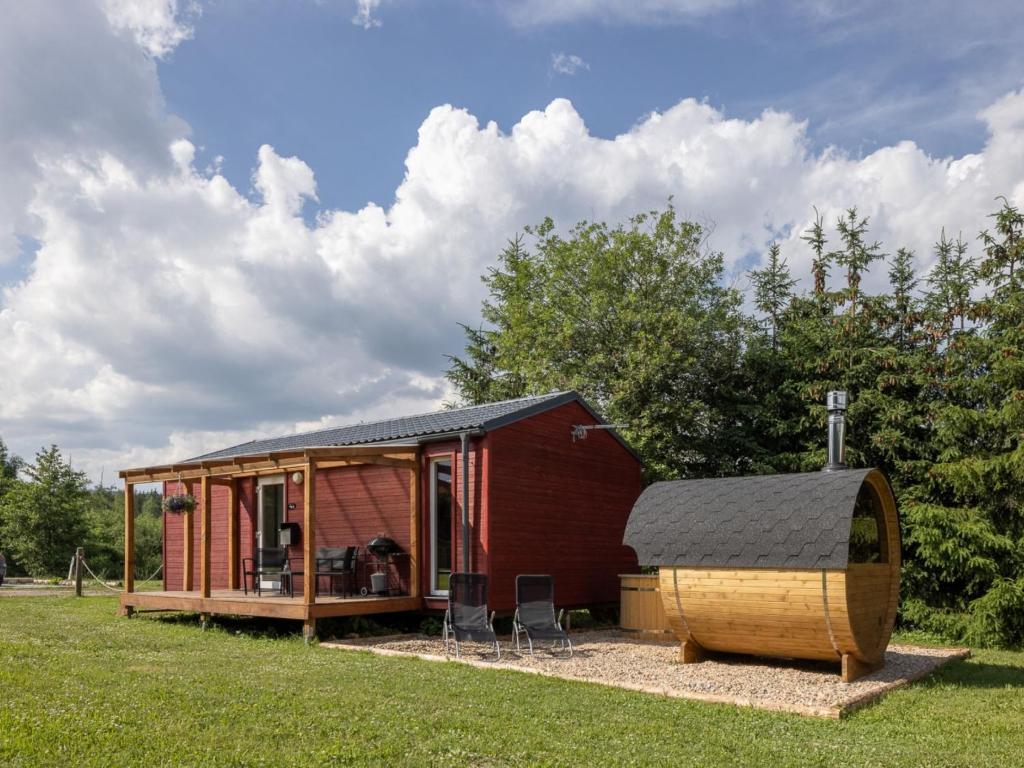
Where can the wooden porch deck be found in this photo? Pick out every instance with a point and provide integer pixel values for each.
(235, 603)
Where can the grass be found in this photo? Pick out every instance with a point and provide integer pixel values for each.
(81, 687)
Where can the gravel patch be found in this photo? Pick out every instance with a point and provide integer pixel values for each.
(614, 658)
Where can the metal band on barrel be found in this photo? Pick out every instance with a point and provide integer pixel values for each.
(828, 618)
(679, 604)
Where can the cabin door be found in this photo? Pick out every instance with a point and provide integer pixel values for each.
(440, 525)
(270, 515)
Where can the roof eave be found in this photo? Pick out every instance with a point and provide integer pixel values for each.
(287, 459)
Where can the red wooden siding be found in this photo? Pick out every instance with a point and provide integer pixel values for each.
(559, 507)
(173, 553)
(246, 520)
(294, 494)
(218, 539)
(354, 504)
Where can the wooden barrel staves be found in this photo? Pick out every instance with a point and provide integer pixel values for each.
(802, 566)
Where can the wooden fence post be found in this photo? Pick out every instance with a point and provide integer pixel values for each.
(79, 557)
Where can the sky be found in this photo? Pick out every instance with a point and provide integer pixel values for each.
(226, 219)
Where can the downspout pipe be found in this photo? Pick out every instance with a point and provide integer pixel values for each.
(465, 502)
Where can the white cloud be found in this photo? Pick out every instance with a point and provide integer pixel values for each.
(364, 17)
(158, 26)
(567, 63)
(533, 12)
(167, 313)
(68, 84)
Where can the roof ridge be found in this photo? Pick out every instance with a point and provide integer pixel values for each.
(420, 415)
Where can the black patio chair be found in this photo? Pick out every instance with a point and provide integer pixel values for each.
(337, 562)
(535, 612)
(466, 619)
(268, 561)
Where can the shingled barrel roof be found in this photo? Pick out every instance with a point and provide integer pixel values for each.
(412, 429)
(765, 521)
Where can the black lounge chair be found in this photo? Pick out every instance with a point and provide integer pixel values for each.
(535, 612)
(337, 562)
(466, 618)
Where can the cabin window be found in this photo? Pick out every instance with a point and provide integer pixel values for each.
(868, 541)
(270, 505)
(440, 525)
(271, 511)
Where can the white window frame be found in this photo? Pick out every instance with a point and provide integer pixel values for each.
(434, 591)
(260, 483)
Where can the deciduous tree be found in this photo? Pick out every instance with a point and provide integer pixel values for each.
(44, 518)
(634, 317)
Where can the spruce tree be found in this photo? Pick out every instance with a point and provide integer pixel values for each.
(856, 255)
(897, 427)
(903, 318)
(951, 281)
(477, 375)
(965, 534)
(766, 372)
(807, 340)
(815, 237)
(832, 340)
(773, 289)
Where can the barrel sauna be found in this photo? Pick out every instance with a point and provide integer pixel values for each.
(797, 566)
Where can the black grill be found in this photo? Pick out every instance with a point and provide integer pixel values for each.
(382, 547)
(383, 550)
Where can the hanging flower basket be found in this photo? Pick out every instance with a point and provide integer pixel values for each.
(179, 504)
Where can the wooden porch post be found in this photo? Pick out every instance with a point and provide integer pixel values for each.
(233, 513)
(309, 536)
(205, 534)
(129, 537)
(186, 525)
(414, 528)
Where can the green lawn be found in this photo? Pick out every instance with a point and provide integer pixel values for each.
(79, 686)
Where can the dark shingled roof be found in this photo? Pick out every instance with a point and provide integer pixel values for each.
(765, 521)
(411, 428)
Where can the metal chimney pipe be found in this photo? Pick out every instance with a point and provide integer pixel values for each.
(836, 404)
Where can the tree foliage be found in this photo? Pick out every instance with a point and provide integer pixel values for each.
(50, 510)
(44, 518)
(633, 317)
(773, 290)
(104, 544)
(966, 518)
(638, 319)
(10, 465)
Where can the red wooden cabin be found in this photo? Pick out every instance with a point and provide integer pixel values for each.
(511, 479)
